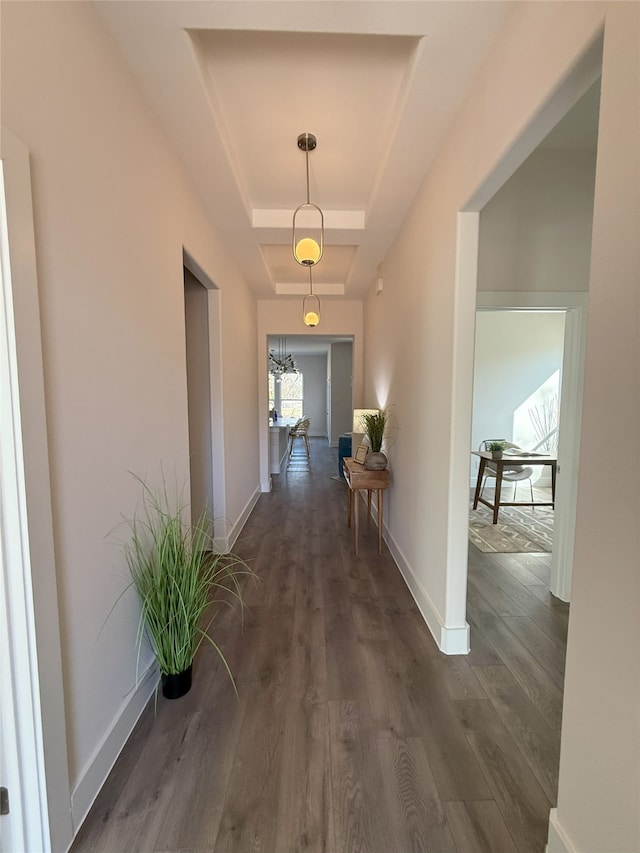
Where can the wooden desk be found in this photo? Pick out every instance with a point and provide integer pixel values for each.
(359, 478)
(509, 460)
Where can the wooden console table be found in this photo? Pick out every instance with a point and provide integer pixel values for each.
(360, 478)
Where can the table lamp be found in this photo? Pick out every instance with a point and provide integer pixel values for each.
(357, 433)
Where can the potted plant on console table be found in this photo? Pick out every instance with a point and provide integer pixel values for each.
(177, 577)
(374, 427)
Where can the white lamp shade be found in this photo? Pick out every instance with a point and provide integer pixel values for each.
(358, 423)
(307, 239)
(307, 251)
(311, 309)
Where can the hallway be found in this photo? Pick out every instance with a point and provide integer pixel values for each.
(351, 731)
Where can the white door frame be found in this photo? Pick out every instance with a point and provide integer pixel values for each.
(28, 561)
(21, 744)
(571, 393)
(573, 305)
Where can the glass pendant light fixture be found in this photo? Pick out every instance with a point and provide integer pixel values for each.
(311, 306)
(283, 362)
(307, 239)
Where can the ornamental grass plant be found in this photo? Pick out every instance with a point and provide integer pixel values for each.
(178, 577)
(374, 427)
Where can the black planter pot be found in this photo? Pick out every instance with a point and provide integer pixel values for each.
(177, 684)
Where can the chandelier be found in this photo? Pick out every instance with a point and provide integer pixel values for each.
(283, 362)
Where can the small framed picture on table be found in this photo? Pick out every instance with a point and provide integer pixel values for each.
(361, 453)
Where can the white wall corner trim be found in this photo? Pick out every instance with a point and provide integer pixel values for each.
(558, 841)
(451, 640)
(95, 772)
(265, 486)
(455, 641)
(242, 520)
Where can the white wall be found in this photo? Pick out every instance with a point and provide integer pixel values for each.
(599, 792)
(515, 352)
(535, 233)
(419, 354)
(112, 212)
(341, 414)
(314, 372)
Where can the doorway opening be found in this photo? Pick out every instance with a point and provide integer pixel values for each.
(204, 399)
(534, 247)
(321, 389)
(539, 276)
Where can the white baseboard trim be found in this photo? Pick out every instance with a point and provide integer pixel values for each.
(104, 757)
(244, 515)
(450, 640)
(558, 841)
(455, 641)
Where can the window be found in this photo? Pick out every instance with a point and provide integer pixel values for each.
(291, 396)
(272, 392)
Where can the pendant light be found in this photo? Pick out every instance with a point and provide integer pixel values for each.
(307, 240)
(283, 362)
(311, 306)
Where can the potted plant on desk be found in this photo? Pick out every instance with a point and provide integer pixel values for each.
(496, 448)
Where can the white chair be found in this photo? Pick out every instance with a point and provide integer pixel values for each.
(514, 473)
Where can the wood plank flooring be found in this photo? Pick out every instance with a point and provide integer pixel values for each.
(350, 730)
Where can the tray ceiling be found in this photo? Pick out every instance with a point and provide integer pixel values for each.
(234, 84)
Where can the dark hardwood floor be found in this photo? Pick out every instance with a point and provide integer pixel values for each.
(350, 730)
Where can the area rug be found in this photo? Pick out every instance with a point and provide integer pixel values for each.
(519, 530)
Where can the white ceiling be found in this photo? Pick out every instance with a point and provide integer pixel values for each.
(235, 82)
